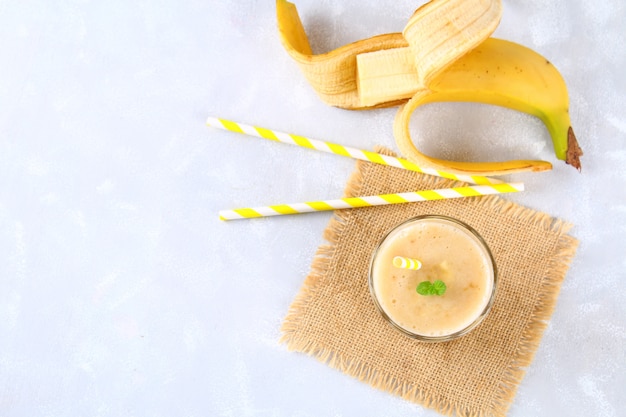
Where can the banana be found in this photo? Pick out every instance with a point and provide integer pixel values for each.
(443, 54)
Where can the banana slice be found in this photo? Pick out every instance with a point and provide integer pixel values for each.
(388, 75)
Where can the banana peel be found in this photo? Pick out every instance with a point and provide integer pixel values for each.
(445, 53)
(333, 74)
(496, 72)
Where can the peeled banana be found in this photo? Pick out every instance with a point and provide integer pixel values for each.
(443, 54)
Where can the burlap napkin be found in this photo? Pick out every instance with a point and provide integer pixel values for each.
(334, 319)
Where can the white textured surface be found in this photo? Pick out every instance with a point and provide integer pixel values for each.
(121, 294)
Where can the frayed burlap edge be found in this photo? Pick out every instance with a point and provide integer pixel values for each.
(513, 374)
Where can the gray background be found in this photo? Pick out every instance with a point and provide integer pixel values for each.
(122, 294)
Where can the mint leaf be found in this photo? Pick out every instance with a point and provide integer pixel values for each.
(438, 287)
(435, 288)
(423, 288)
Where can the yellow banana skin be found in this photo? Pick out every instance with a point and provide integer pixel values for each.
(506, 74)
(332, 74)
(408, 149)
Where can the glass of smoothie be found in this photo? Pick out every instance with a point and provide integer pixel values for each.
(448, 250)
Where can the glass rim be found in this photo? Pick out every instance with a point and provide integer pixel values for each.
(479, 318)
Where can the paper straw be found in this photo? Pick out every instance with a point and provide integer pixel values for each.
(406, 263)
(376, 200)
(346, 151)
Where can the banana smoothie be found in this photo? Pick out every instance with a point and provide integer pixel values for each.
(452, 255)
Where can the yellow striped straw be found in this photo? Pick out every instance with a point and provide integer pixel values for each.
(346, 151)
(376, 200)
(406, 263)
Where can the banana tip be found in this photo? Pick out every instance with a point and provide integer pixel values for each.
(574, 152)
